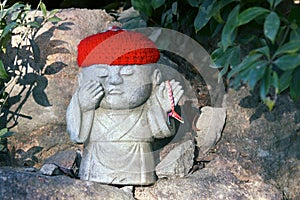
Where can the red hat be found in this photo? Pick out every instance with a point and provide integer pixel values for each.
(117, 47)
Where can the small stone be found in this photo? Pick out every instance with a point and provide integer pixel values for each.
(30, 169)
(65, 158)
(128, 189)
(50, 170)
(177, 162)
(209, 128)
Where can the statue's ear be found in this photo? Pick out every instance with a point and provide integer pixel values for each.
(157, 77)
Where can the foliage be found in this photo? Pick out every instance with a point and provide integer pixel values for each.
(22, 71)
(252, 42)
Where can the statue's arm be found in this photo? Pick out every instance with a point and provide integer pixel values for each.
(158, 121)
(79, 123)
(80, 113)
(160, 125)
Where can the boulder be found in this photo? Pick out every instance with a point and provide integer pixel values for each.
(20, 184)
(178, 162)
(220, 179)
(264, 142)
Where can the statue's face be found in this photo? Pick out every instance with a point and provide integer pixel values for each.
(125, 87)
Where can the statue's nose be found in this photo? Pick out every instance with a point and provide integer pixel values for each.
(115, 79)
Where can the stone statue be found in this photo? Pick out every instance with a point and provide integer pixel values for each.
(120, 106)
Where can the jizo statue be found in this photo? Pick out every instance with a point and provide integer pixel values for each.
(120, 106)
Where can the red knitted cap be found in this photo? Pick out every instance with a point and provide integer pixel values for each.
(117, 47)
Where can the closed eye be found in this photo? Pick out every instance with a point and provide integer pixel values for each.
(102, 76)
(102, 73)
(126, 71)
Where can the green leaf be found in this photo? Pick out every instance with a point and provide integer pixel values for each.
(142, 6)
(295, 85)
(15, 15)
(270, 103)
(15, 7)
(248, 60)
(201, 19)
(54, 19)
(274, 3)
(229, 30)
(3, 73)
(230, 57)
(274, 81)
(295, 34)
(3, 131)
(174, 8)
(195, 3)
(167, 17)
(271, 26)
(202, 16)
(3, 14)
(290, 47)
(8, 28)
(256, 72)
(34, 24)
(7, 134)
(288, 62)
(157, 3)
(53, 12)
(284, 80)
(217, 6)
(223, 72)
(251, 13)
(219, 18)
(263, 50)
(265, 85)
(43, 9)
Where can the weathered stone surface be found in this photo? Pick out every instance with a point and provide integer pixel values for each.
(177, 162)
(264, 142)
(209, 128)
(49, 169)
(220, 179)
(31, 149)
(18, 184)
(64, 158)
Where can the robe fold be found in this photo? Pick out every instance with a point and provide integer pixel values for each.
(117, 143)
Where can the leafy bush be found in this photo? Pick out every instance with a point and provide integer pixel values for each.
(14, 18)
(252, 42)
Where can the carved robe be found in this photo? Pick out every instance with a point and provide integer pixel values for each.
(117, 143)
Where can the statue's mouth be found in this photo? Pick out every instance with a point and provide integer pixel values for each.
(114, 92)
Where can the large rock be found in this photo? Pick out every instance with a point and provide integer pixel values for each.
(220, 179)
(19, 184)
(264, 142)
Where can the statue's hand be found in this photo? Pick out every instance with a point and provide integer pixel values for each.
(162, 94)
(90, 95)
